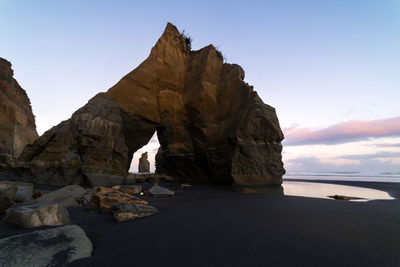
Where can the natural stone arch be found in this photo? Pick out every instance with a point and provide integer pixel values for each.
(211, 125)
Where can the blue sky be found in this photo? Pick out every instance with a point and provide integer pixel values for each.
(321, 64)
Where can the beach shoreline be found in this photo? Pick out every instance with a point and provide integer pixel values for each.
(210, 226)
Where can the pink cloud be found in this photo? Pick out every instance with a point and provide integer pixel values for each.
(354, 130)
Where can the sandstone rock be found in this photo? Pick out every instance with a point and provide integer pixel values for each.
(98, 179)
(211, 125)
(52, 247)
(37, 194)
(159, 191)
(127, 212)
(130, 179)
(144, 164)
(17, 123)
(7, 189)
(32, 214)
(88, 148)
(68, 196)
(17, 191)
(5, 202)
(105, 198)
(131, 189)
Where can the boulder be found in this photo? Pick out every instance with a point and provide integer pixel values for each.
(52, 247)
(123, 212)
(17, 191)
(32, 214)
(17, 122)
(212, 126)
(105, 198)
(68, 196)
(144, 164)
(159, 191)
(131, 189)
(5, 202)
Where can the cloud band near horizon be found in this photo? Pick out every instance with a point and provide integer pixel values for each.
(354, 130)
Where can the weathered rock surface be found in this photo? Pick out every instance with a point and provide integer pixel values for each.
(68, 196)
(89, 147)
(52, 247)
(124, 212)
(17, 191)
(17, 123)
(211, 125)
(32, 214)
(129, 189)
(144, 164)
(159, 191)
(148, 177)
(105, 197)
(5, 202)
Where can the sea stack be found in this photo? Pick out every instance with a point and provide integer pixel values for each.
(144, 164)
(212, 126)
(17, 122)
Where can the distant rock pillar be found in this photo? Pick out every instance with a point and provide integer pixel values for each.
(144, 164)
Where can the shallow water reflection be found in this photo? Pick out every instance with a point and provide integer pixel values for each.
(321, 190)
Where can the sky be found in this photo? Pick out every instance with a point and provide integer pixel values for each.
(330, 68)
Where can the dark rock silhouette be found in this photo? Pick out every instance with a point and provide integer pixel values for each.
(211, 125)
(144, 164)
(17, 123)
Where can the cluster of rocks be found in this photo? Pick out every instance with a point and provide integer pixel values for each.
(28, 209)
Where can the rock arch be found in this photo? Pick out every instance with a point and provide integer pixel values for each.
(211, 125)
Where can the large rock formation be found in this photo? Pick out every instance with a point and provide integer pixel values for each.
(17, 123)
(211, 125)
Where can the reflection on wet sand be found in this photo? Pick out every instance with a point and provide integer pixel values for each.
(319, 190)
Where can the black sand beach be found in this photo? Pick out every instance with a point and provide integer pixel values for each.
(204, 226)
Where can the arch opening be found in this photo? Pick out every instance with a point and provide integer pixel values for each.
(151, 148)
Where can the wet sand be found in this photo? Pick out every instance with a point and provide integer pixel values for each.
(205, 226)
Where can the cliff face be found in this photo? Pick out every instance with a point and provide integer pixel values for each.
(17, 123)
(211, 125)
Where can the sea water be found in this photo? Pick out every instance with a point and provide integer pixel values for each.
(385, 177)
(293, 186)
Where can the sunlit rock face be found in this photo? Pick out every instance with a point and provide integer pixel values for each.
(17, 123)
(211, 125)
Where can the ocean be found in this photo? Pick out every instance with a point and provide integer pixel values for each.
(387, 177)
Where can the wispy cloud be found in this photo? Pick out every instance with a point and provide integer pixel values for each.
(349, 131)
(386, 145)
(371, 156)
(314, 164)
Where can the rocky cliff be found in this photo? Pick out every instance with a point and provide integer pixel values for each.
(211, 125)
(17, 123)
